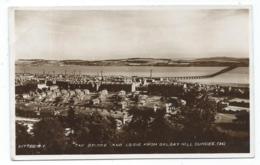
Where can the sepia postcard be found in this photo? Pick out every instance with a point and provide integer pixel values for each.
(131, 82)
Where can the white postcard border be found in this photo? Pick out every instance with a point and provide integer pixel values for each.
(128, 156)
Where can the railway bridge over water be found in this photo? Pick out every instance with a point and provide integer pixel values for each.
(204, 76)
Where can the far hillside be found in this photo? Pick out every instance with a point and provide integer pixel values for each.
(214, 61)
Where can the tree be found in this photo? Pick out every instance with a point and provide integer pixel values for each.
(198, 119)
(23, 138)
(71, 117)
(102, 129)
(50, 132)
(94, 128)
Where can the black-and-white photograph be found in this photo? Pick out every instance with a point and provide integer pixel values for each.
(131, 80)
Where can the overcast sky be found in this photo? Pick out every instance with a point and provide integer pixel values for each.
(113, 34)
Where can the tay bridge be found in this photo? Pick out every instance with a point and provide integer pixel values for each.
(202, 76)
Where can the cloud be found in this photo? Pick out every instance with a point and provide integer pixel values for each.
(105, 34)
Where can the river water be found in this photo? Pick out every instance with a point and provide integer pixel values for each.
(236, 76)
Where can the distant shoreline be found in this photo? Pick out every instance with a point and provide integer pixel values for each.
(201, 62)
